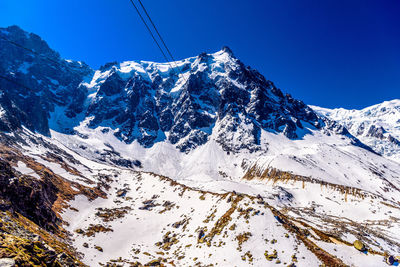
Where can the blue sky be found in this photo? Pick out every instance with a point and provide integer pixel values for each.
(331, 53)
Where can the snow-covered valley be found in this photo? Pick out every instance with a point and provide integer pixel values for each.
(146, 217)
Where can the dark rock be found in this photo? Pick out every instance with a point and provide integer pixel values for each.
(31, 197)
(34, 84)
(376, 132)
(393, 140)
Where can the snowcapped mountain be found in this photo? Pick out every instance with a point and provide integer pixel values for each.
(180, 102)
(377, 126)
(202, 161)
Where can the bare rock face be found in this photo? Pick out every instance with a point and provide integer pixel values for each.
(376, 132)
(393, 140)
(216, 93)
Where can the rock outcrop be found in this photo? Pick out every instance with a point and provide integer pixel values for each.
(28, 196)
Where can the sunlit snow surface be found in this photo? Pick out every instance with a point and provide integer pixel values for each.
(326, 158)
(141, 229)
(22, 168)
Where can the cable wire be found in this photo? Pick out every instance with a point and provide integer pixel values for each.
(152, 35)
(162, 39)
(73, 70)
(155, 28)
(34, 52)
(15, 82)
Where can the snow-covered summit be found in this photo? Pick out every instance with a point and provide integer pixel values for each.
(377, 126)
(183, 102)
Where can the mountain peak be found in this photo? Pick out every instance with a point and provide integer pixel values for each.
(217, 98)
(12, 28)
(377, 126)
(226, 49)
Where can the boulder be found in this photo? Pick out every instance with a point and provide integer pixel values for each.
(390, 260)
(359, 245)
(99, 248)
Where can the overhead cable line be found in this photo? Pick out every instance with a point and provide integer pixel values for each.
(36, 53)
(152, 35)
(155, 28)
(15, 82)
(162, 39)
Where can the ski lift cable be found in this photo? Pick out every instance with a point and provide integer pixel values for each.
(152, 35)
(162, 40)
(155, 28)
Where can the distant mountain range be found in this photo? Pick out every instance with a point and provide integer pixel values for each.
(377, 126)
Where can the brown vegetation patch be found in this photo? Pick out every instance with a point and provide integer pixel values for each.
(325, 257)
(275, 175)
(241, 238)
(30, 245)
(93, 229)
(223, 220)
(59, 160)
(108, 215)
(169, 239)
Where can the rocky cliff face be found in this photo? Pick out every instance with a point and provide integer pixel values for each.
(28, 196)
(181, 102)
(32, 197)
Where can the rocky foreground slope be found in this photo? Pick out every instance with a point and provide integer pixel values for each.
(95, 214)
(135, 165)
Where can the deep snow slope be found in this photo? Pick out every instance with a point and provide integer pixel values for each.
(378, 126)
(266, 218)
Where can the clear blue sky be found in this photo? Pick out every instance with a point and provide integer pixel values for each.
(332, 53)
